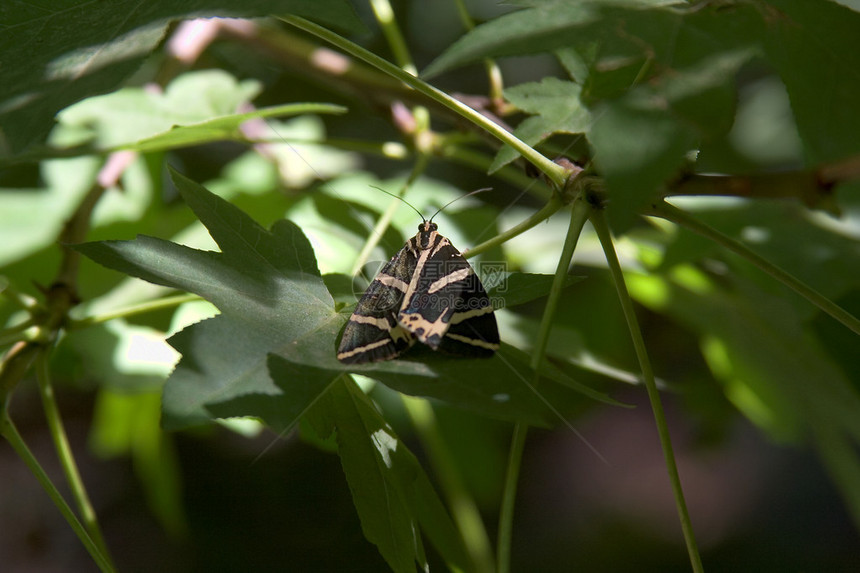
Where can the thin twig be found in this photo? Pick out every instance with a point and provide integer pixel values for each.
(598, 220)
(578, 217)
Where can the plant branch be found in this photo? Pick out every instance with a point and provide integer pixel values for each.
(64, 454)
(812, 187)
(15, 333)
(554, 172)
(494, 74)
(553, 205)
(385, 17)
(10, 433)
(673, 214)
(19, 299)
(337, 71)
(59, 298)
(598, 220)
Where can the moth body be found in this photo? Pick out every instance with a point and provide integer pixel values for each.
(428, 293)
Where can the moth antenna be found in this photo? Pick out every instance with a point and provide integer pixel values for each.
(402, 199)
(460, 197)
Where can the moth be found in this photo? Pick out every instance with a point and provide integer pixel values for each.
(427, 293)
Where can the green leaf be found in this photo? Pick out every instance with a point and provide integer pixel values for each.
(523, 32)
(266, 284)
(498, 387)
(62, 52)
(636, 150)
(133, 113)
(223, 373)
(556, 108)
(389, 488)
(223, 128)
(641, 134)
(33, 217)
(545, 26)
(813, 45)
(274, 302)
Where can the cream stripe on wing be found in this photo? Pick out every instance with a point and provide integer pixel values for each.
(413, 322)
(449, 278)
(472, 341)
(380, 323)
(360, 349)
(441, 244)
(459, 317)
(393, 282)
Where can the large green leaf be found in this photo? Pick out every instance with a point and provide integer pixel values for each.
(390, 490)
(61, 52)
(266, 284)
(275, 305)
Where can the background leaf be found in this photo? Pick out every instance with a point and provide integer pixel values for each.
(555, 107)
(811, 47)
(761, 388)
(84, 52)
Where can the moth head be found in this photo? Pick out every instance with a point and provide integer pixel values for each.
(426, 231)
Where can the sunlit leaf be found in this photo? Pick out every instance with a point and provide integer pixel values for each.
(273, 301)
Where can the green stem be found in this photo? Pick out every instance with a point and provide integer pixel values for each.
(463, 508)
(553, 205)
(10, 432)
(142, 308)
(385, 17)
(15, 333)
(578, 216)
(494, 74)
(679, 217)
(64, 453)
(598, 220)
(509, 496)
(554, 172)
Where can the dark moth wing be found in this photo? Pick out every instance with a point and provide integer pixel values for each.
(428, 292)
(372, 333)
(448, 308)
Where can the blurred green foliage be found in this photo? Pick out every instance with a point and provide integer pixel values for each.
(185, 413)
